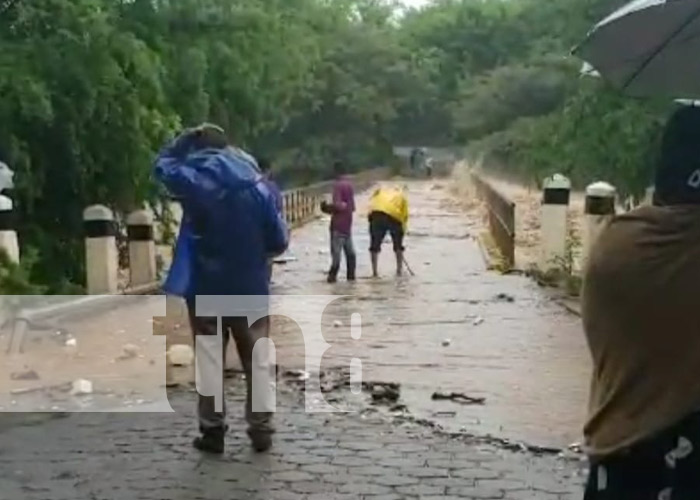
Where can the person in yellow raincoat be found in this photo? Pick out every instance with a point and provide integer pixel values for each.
(388, 213)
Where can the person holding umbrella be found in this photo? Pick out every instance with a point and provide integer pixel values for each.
(640, 308)
(640, 297)
(647, 48)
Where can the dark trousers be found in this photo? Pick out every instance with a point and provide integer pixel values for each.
(245, 337)
(342, 243)
(664, 467)
(380, 224)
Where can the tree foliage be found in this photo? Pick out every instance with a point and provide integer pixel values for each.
(92, 88)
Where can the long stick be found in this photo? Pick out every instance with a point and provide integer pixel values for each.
(405, 262)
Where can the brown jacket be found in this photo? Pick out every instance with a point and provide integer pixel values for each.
(641, 315)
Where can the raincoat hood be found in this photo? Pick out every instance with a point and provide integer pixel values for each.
(230, 223)
(231, 168)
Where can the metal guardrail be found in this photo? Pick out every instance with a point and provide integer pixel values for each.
(46, 312)
(501, 215)
(302, 204)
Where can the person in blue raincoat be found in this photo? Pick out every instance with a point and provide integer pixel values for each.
(230, 228)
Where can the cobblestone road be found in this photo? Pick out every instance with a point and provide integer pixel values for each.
(524, 355)
(316, 456)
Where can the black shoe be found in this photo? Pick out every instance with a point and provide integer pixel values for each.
(261, 441)
(211, 442)
(331, 278)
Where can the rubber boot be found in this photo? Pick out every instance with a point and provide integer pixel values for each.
(260, 441)
(211, 441)
(351, 266)
(333, 274)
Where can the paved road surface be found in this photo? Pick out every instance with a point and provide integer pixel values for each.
(507, 342)
(321, 457)
(527, 357)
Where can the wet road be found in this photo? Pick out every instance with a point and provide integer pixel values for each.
(527, 356)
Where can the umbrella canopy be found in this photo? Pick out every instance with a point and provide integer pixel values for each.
(648, 48)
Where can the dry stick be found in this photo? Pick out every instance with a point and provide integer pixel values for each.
(410, 271)
(458, 397)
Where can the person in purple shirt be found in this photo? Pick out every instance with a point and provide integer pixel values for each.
(342, 209)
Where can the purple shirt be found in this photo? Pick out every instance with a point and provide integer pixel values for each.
(344, 203)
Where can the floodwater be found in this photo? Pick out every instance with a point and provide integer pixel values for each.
(453, 327)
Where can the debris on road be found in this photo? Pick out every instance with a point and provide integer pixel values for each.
(72, 342)
(129, 351)
(478, 320)
(383, 392)
(81, 387)
(457, 397)
(337, 323)
(399, 409)
(26, 390)
(25, 375)
(283, 259)
(445, 414)
(504, 297)
(446, 342)
(576, 447)
(297, 374)
(180, 355)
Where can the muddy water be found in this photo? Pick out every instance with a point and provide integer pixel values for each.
(97, 355)
(526, 357)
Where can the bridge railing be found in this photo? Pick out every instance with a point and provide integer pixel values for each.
(302, 204)
(501, 217)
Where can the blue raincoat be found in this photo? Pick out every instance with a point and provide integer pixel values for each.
(230, 224)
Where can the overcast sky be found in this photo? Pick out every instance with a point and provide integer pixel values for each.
(414, 3)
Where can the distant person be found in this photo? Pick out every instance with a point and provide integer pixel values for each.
(640, 315)
(266, 168)
(341, 209)
(429, 168)
(388, 213)
(417, 159)
(413, 158)
(230, 227)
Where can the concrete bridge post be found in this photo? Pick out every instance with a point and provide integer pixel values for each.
(142, 248)
(8, 234)
(554, 222)
(648, 196)
(101, 258)
(599, 210)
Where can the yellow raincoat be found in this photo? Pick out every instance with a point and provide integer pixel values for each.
(391, 201)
